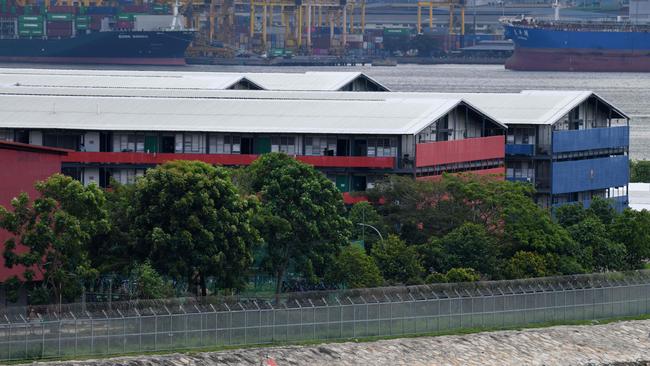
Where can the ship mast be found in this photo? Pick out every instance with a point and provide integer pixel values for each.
(176, 22)
(556, 10)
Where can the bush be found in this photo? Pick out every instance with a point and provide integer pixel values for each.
(398, 262)
(355, 269)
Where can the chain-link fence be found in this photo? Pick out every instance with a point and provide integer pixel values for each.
(130, 327)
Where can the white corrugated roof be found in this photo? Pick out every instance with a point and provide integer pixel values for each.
(318, 81)
(527, 107)
(390, 116)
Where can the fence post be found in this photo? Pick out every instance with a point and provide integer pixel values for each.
(184, 324)
(313, 318)
(367, 313)
(378, 314)
(259, 322)
(340, 317)
(354, 317)
(137, 313)
(25, 326)
(42, 337)
(155, 329)
(59, 338)
(216, 325)
(9, 339)
(92, 334)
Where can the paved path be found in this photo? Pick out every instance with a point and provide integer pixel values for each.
(622, 343)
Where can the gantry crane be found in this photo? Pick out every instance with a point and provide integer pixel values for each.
(437, 4)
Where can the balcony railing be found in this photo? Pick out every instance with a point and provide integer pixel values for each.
(457, 151)
(520, 149)
(590, 174)
(223, 159)
(591, 139)
(520, 179)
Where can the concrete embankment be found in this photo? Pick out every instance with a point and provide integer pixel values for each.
(621, 343)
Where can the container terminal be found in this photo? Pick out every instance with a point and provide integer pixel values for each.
(275, 32)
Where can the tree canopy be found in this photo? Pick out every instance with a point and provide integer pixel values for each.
(56, 229)
(189, 221)
(305, 212)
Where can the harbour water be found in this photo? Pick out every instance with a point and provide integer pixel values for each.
(628, 91)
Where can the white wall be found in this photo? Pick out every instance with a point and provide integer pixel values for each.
(35, 137)
(91, 175)
(91, 141)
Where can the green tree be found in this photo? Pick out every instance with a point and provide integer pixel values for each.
(307, 212)
(55, 231)
(462, 275)
(570, 214)
(640, 171)
(355, 269)
(149, 284)
(107, 250)
(470, 245)
(417, 210)
(603, 210)
(600, 252)
(399, 263)
(530, 229)
(190, 222)
(365, 213)
(525, 264)
(632, 229)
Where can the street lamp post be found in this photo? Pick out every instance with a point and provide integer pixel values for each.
(374, 228)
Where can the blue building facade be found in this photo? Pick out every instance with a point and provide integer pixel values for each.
(582, 155)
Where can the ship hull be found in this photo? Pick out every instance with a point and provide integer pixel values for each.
(540, 49)
(577, 60)
(116, 47)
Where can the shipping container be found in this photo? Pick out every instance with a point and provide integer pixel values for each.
(30, 18)
(101, 10)
(397, 32)
(59, 17)
(59, 32)
(126, 17)
(135, 8)
(122, 24)
(62, 9)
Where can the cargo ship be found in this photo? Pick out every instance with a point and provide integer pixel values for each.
(96, 36)
(558, 45)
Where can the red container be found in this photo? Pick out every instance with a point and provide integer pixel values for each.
(62, 9)
(59, 25)
(59, 32)
(124, 24)
(135, 9)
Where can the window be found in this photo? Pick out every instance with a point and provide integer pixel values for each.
(128, 142)
(127, 176)
(5, 135)
(225, 144)
(381, 147)
(320, 145)
(285, 144)
(193, 143)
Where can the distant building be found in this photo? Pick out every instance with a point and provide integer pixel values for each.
(354, 142)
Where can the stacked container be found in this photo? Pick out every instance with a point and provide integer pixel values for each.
(30, 25)
(125, 21)
(82, 22)
(59, 24)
